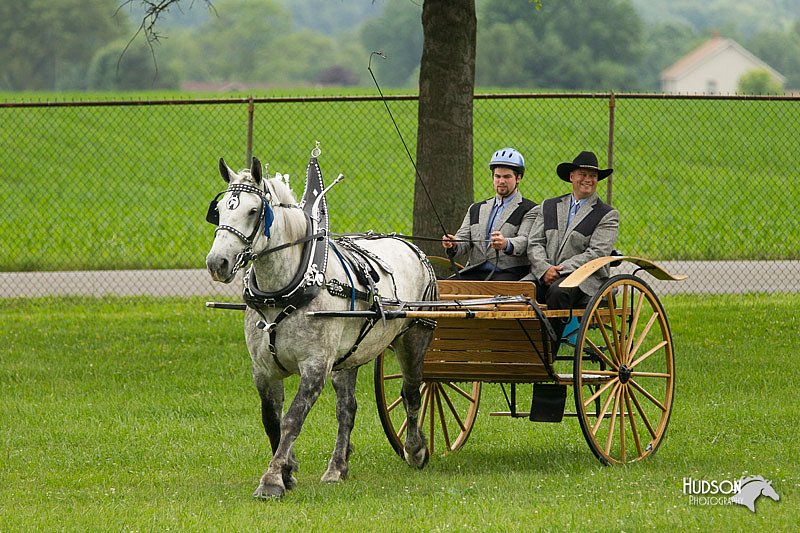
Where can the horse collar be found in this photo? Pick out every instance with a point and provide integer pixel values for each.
(310, 276)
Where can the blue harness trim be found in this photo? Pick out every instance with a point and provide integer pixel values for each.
(347, 272)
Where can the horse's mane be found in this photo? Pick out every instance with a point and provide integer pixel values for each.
(277, 184)
(282, 190)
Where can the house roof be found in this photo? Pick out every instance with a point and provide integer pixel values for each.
(707, 52)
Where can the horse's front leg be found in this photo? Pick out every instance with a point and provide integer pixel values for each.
(410, 349)
(271, 393)
(312, 380)
(344, 383)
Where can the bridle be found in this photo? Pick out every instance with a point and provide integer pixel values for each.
(266, 215)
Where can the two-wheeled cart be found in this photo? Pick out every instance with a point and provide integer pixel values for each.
(621, 367)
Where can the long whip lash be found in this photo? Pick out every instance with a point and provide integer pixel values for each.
(408, 152)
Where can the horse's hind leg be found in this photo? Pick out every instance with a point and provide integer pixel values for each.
(344, 383)
(410, 349)
(312, 379)
(271, 393)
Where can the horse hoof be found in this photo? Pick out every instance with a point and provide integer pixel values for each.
(289, 482)
(417, 459)
(334, 476)
(269, 492)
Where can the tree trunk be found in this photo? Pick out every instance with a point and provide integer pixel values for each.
(444, 135)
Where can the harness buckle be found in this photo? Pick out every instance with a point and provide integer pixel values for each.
(266, 327)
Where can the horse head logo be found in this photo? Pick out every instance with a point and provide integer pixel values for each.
(750, 489)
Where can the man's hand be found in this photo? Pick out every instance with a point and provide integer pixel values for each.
(498, 241)
(448, 241)
(552, 274)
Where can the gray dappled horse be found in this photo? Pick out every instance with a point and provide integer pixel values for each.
(255, 216)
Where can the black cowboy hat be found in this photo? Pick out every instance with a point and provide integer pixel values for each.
(584, 160)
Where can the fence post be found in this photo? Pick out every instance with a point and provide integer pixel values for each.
(251, 108)
(610, 158)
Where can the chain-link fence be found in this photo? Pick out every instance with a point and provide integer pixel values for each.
(110, 197)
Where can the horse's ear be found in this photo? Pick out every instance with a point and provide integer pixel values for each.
(224, 171)
(255, 170)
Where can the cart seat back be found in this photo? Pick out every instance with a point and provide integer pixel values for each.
(495, 349)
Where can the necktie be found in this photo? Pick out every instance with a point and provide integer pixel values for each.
(492, 219)
(573, 211)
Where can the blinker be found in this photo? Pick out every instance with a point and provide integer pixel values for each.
(212, 215)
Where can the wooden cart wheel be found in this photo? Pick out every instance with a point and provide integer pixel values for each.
(447, 414)
(624, 371)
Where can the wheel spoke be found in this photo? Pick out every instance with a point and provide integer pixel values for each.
(651, 375)
(402, 429)
(614, 330)
(432, 419)
(442, 419)
(648, 353)
(426, 394)
(642, 414)
(609, 344)
(633, 423)
(599, 391)
(597, 351)
(635, 321)
(603, 410)
(612, 424)
(387, 377)
(643, 334)
(461, 391)
(647, 395)
(622, 424)
(622, 323)
(603, 372)
(453, 410)
(394, 404)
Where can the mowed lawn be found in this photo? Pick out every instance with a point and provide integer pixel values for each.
(140, 414)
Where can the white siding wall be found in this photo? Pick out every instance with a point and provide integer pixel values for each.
(719, 75)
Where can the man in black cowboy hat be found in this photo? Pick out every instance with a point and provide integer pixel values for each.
(570, 231)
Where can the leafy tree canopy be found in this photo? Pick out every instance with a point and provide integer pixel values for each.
(568, 44)
(46, 45)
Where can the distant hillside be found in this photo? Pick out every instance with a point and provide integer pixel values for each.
(745, 16)
(322, 16)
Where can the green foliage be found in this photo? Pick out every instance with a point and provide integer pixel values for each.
(128, 66)
(781, 51)
(47, 45)
(564, 44)
(140, 414)
(665, 44)
(758, 81)
(253, 42)
(397, 33)
(567, 44)
(333, 18)
(748, 17)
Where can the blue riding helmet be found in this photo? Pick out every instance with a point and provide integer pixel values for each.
(508, 157)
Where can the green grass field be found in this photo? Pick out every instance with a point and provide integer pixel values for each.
(140, 414)
(127, 186)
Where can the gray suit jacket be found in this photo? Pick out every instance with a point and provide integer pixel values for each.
(516, 232)
(572, 246)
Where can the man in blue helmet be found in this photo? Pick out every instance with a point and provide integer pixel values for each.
(495, 231)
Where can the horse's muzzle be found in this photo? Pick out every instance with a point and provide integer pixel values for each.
(220, 268)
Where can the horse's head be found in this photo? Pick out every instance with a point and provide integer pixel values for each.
(245, 216)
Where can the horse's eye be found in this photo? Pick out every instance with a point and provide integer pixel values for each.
(253, 211)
